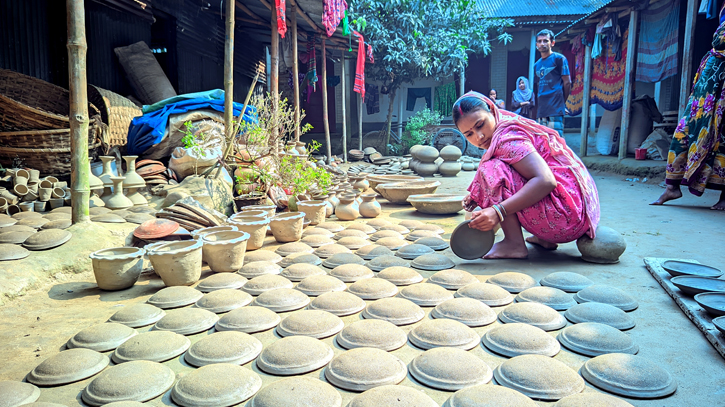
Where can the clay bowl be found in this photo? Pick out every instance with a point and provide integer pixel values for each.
(719, 323)
(683, 268)
(374, 180)
(399, 192)
(695, 285)
(714, 303)
(437, 204)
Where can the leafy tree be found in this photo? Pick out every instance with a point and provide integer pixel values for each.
(415, 39)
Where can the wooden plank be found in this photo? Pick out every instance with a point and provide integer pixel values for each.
(295, 71)
(687, 46)
(693, 310)
(325, 114)
(628, 83)
(585, 101)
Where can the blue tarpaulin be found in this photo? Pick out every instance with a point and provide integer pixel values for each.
(149, 129)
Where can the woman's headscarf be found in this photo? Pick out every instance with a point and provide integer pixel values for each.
(522, 95)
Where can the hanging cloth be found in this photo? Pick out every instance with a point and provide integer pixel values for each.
(311, 66)
(360, 67)
(345, 25)
(333, 11)
(281, 7)
(370, 54)
(607, 87)
(657, 55)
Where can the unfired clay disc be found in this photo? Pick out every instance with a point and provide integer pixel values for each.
(16, 228)
(313, 323)
(398, 311)
(373, 288)
(372, 251)
(221, 281)
(47, 239)
(362, 227)
(224, 347)
(349, 273)
(25, 215)
(533, 313)
(294, 355)
(566, 281)
(101, 337)
(248, 319)
(362, 369)
(392, 243)
(292, 248)
(512, 281)
(594, 339)
(377, 223)
(68, 366)
(300, 258)
(215, 385)
(266, 282)
(425, 294)
(432, 262)
(591, 399)
(489, 294)
(429, 227)
(297, 392)
(397, 228)
(338, 303)
(602, 313)
(466, 311)
(316, 285)
(259, 268)
(261, 255)
(139, 380)
(450, 369)
(108, 218)
(435, 333)
(315, 231)
(15, 237)
(282, 299)
(187, 321)
(607, 295)
(520, 339)
(383, 262)
(350, 233)
(372, 333)
(353, 243)
(552, 297)
(435, 243)
(342, 258)
(629, 376)
(174, 297)
(57, 224)
(539, 377)
(398, 396)
(452, 279)
(316, 241)
(330, 250)
(331, 226)
(400, 276)
(137, 315)
(14, 393)
(385, 233)
(155, 346)
(413, 251)
(300, 271)
(420, 234)
(488, 396)
(6, 220)
(225, 300)
(35, 222)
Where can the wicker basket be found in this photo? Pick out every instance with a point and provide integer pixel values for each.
(116, 111)
(42, 139)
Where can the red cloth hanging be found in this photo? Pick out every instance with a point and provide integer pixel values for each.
(360, 67)
(281, 7)
(332, 13)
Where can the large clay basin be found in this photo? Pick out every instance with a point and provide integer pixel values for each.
(437, 204)
(117, 268)
(314, 211)
(383, 179)
(287, 227)
(177, 263)
(399, 192)
(224, 251)
(255, 226)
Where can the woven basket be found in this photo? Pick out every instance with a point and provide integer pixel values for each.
(42, 139)
(116, 111)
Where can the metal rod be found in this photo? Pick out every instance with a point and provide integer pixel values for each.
(295, 71)
(585, 102)
(344, 108)
(628, 83)
(325, 115)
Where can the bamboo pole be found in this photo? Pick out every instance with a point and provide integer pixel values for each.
(274, 76)
(80, 166)
(360, 120)
(229, 74)
(688, 45)
(344, 109)
(295, 71)
(585, 102)
(628, 83)
(325, 119)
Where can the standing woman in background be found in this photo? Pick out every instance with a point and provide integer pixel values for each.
(522, 99)
(493, 95)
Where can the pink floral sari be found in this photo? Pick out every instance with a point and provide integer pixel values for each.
(569, 211)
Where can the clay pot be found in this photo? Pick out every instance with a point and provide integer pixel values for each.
(46, 184)
(117, 268)
(224, 251)
(605, 248)
(301, 149)
(370, 208)
(427, 154)
(56, 202)
(468, 166)
(50, 179)
(132, 178)
(329, 209)
(24, 207)
(117, 200)
(450, 168)
(21, 181)
(360, 184)
(93, 201)
(33, 186)
(3, 205)
(255, 227)
(450, 153)
(39, 206)
(34, 176)
(58, 193)
(347, 209)
(426, 169)
(44, 194)
(314, 211)
(12, 210)
(136, 197)
(177, 263)
(22, 173)
(30, 196)
(20, 190)
(12, 199)
(61, 184)
(255, 213)
(287, 227)
(93, 181)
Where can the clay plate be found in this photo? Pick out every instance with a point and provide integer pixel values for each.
(47, 239)
(683, 268)
(139, 380)
(14, 393)
(696, 285)
(713, 303)
(155, 229)
(471, 244)
(15, 237)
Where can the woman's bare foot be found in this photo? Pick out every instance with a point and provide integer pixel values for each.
(541, 242)
(672, 192)
(720, 205)
(507, 249)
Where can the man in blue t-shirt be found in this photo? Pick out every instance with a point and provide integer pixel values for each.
(552, 70)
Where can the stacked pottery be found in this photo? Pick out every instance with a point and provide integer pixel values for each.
(287, 227)
(360, 183)
(314, 210)
(224, 251)
(468, 164)
(450, 166)
(427, 166)
(414, 161)
(370, 208)
(347, 209)
(134, 182)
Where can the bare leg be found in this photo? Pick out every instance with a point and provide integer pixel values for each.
(512, 246)
(541, 242)
(720, 205)
(672, 192)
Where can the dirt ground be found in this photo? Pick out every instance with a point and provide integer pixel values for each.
(37, 324)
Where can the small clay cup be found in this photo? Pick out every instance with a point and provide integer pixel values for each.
(52, 180)
(12, 199)
(26, 206)
(21, 180)
(34, 175)
(44, 194)
(55, 202)
(46, 184)
(58, 193)
(33, 186)
(22, 173)
(20, 190)
(12, 210)
(3, 204)
(60, 184)
(39, 206)
(30, 196)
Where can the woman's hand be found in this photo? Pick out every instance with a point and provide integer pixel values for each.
(525, 103)
(484, 220)
(469, 204)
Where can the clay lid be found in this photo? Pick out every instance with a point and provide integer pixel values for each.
(36, 222)
(591, 399)
(266, 282)
(57, 224)
(47, 239)
(594, 339)
(361, 369)
(137, 315)
(138, 380)
(248, 319)
(512, 281)
(350, 233)
(224, 347)
(315, 231)
(316, 285)
(413, 251)
(392, 243)
(425, 294)
(261, 255)
(258, 268)
(154, 346)
(396, 228)
(400, 275)
(606, 294)
(340, 259)
(371, 251)
(362, 227)
(108, 218)
(293, 248)
(330, 250)
(15, 237)
(331, 226)
(349, 273)
(372, 333)
(449, 369)
(16, 228)
(552, 297)
(155, 229)
(601, 313)
(373, 288)
(410, 223)
(142, 209)
(300, 258)
(57, 216)
(533, 313)
(316, 241)
(338, 303)
(222, 384)
(435, 333)
(187, 321)
(385, 233)
(566, 281)
(68, 366)
(399, 396)
(174, 297)
(282, 299)
(313, 323)
(452, 279)
(465, 310)
(520, 339)
(539, 377)
(26, 215)
(96, 210)
(489, 294)
(6, 221)
(353, 243)
(383, 262)
(294, 355)
(432, 262)
(420, 234)
(435, 243)
(224, 300)
(299, 271)
(398, 311)
(489, 396)
(221, 281)
(429, 227)
(14, 393)
(102, 337)
(629, 376)
(297, 392)
(378, 223)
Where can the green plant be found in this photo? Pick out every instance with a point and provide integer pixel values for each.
(420, 127)
(302, 177)
(191, 142)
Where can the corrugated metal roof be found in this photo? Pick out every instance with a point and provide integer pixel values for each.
(530, 8)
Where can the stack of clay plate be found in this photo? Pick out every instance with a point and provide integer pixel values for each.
(356, 155)
(155, 172)
(189, 216)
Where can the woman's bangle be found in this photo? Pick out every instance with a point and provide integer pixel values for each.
(498, 212)
(501, 207)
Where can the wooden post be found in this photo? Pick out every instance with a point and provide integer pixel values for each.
(400, 117)
(585, 101)
(325, 120)
(295, 70)
(229, 74)
(463, 81)
(628, 83)
(687, 45)
(360, 123)
(344, 108)
(80, 166)
(532, 59)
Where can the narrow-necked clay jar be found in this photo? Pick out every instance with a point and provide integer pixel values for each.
(224, 251)
(426, 169)
(287, 227)
(177, 263)
(314, 211)
(360, 183)
(117, 268)
(370, 208)
(255, 226)
(107, 170)
(347, 210)
(133, 180)
(118, 200)
(333, 199)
